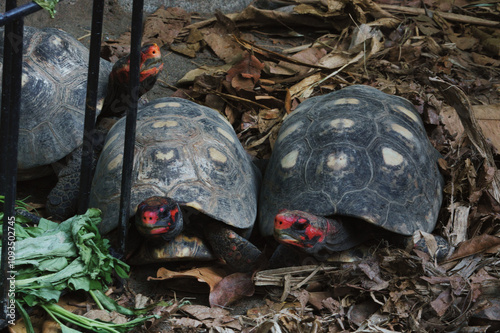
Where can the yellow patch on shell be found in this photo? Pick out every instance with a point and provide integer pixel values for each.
(337, 162)
(392, 157)
(289, 131)
(165, 157)
(110, 141)
(407, 112)
(100, 103)
(225, 134)
(56, 41)
(217, 155)
(290, 159)
(224, 119)
(117, 161)
(194, 204)
(24, 79)
(352, 101)
(164, 104)
(166, 123)
(342, 123)
(403, 131)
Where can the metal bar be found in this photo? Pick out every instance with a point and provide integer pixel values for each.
(128, 153)
(90, 107)
(13, 48)
(18, 12)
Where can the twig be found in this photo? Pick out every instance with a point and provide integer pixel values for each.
(449, 16)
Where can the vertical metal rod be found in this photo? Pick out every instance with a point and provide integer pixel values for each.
(90, 107)
(13, 48)
(128, 153)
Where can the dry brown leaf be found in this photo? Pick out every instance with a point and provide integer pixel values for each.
(187, 322)
(358, 313)
(442, 303)
(309, 56)
(222, 43)
(232, 288)
(482, 243)
(304, 88)
(208, 275)
(248, 68)
(190, 76)
(163, 26)
(202, 312)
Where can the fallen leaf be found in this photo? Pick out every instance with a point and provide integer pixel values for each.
(232, 288)
(248, 68)
(163, 26)
(202, 312)
(482, 243)
(209, 275)
(442, 303)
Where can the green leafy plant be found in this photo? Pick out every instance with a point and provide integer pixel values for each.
(48, 5)
(51, 258)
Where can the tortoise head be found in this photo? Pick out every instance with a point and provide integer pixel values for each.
(319, 236)
(150, 66)
(300, 229)
(159, 218)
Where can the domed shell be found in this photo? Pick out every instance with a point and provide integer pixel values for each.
(356, 152)
(54, 83)
(184, 151)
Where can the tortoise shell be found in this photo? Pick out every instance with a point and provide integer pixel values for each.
(184, 151)
(355, 152)
(54, 83)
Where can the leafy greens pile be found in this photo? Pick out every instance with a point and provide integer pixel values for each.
(71, 255)
(53, 257)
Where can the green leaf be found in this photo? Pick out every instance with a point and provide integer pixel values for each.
(110, 304)
(48, 5)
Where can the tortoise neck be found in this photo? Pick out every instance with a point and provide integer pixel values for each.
(344, 232)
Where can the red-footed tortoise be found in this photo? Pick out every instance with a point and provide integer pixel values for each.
(52, 112)
(192, 184)
(347, 165)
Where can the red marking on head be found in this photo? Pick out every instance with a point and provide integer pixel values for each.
(298, 229)
(149, 217)
(173, 213)
(283, 221)
(312, 233)
(162, 209)
(233, 247)
(159, 231)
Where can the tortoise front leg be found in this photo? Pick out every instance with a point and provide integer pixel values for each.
(237, 252)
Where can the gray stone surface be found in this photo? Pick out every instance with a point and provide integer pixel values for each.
(200, 6)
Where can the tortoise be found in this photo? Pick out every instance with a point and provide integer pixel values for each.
(348, 166)
(53, 107)
(193, 184)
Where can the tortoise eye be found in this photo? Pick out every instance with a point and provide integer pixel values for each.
(300, 225)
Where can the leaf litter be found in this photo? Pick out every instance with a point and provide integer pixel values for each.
(441, 55)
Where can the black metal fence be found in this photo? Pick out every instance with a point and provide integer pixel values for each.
(12, 19)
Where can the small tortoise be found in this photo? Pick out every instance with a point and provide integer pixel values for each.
(347, 165)
(189, 169)
(52, 112)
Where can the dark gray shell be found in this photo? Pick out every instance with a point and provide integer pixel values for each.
(53, 95)
(356, 152)
(184, 151)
